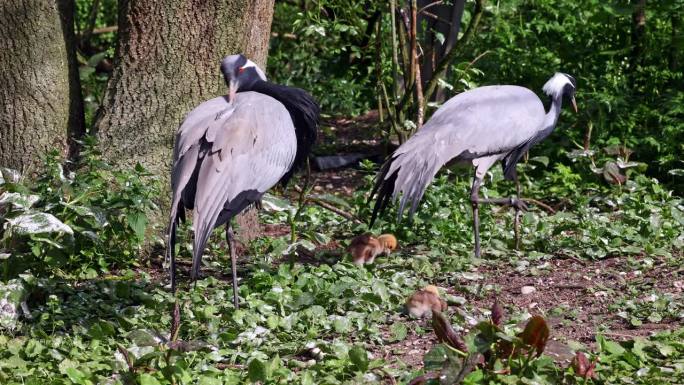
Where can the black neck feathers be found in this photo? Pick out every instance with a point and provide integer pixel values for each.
(304, 112)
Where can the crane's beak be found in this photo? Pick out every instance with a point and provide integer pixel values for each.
(574, 104)
(232, 90)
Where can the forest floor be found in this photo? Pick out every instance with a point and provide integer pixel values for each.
(604, 270)
(576, 296)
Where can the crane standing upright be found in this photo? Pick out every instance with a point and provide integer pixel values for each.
(231, 149)
(482, 126)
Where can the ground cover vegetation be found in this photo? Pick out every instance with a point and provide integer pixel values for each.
(83, 297)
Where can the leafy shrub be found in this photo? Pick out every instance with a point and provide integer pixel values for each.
(78, 222)
(318, 48)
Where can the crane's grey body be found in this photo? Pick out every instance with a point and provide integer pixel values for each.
(482, 126)
(230, 150)
(246, 146)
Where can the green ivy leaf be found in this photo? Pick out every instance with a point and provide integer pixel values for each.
(359, 357)
(138, 223)
(147, 379)
(258, 371)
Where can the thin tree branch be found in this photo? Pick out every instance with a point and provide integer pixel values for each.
(395, 55)
(378, 69)
(477, 58)
(92, 19)
(449, 57)
(433, 16)
(111, 28)
(416, 68)
(411, 29)
(328, 206)
(540, 204)
(430, 5)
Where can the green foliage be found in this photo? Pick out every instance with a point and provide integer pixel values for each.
(77, 222)
(656, 360)
(322, 46)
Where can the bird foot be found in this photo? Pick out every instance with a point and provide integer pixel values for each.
(519, 204)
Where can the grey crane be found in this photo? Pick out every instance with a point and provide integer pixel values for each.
(482, 126)
(231, 149)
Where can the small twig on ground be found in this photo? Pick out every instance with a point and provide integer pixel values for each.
(619, 335)
(329, 207)
(568, 256)
(571, 287)
(540, 204)
(387, 375)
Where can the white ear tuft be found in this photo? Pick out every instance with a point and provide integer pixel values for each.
(554, 86)
(259, 71)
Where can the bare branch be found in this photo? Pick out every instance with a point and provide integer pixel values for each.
(430, 5)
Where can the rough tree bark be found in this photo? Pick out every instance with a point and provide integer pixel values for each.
(166, 63)
(40, 95)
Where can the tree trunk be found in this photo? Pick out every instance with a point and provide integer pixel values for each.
(40, 95)
(166, 63)
(444, 19)
(638, 32)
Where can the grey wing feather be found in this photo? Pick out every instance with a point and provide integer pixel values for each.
(186, 153)
(253, 149)
(481, 122)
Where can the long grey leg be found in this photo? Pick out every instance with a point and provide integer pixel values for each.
(482, 165)
(518, 210)
(474, 199)
(233, 262)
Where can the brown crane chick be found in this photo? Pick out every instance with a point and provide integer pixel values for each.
(364, 248)
(423, 302)
(388, 243)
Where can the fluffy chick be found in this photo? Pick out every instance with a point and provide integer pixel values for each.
(424, 301)
(364, 248)
(388, 243)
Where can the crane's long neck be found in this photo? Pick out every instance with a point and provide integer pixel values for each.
(554, 111)
(550, 119)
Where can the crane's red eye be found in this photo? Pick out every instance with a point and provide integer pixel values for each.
(241, 70)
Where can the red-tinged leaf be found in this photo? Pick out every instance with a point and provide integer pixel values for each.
(505, 349)
(127, 358)
(536, 334)
(445, 333)
(497, 313)
(582, 366)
